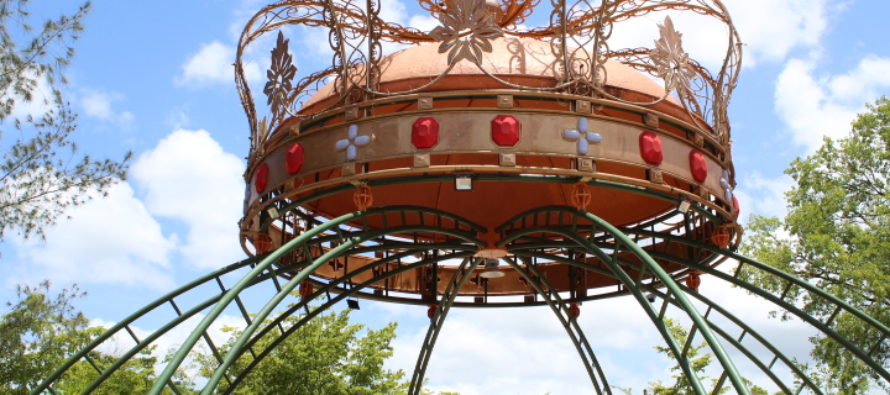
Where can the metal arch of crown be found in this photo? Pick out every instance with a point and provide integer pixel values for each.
(689, 116)
(578, 35)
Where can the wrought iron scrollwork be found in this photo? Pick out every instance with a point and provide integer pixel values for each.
(280, 78)
(578, 34)
(466, 30)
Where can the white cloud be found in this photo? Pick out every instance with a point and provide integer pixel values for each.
(761, 195)
(107, 240)
(526, 350)
(98, 104)
(770, 29)
(392, 11)
(188, 177)
(121, 342)
(813, 106)
(212, 64)
(423, 22)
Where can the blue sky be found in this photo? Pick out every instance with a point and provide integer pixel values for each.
(155, 78)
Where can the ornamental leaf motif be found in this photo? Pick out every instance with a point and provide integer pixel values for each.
(670, 60)
(465, 31)
(280, 75)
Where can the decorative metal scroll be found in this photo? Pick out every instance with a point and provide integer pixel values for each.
(578, 33)
(466, 30)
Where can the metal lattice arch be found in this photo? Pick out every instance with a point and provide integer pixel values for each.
(490, 165)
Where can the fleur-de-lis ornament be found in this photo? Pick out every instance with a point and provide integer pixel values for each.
(670, 60)
(467, 26)
(280, 75)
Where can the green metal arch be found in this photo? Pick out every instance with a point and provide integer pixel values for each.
(543, 287)
(342, 295)
(463, 273)
(663, 276)
(45, 385)
(723, 333)
(299, 241)
(616, 240)
(733, 279)
(238, 346)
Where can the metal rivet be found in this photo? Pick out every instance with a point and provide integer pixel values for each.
(505, 101)
(507, 159)
(650, 120)
(586, 164)
(422, 160)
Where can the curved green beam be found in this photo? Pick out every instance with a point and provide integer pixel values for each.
(230, 295)
(819, 325)
(238, 346)
(726, 336)
(665, 278)
(321, 291)
(333, 285)
(463, 273)
(539, 282)
(145, 342)
(654, 289)
(629, 284)
(778, 301)
(776, 272)
(716, 307)
(43, 386)
(861, 354)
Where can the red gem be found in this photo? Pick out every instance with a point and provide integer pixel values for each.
(650, 148)
(295, 158)
(425, 132)
(261, 177)
(735, 207)
(505, 130)
(698, 166)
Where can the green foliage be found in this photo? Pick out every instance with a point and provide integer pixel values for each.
(698, 362)
(40, 332)
(135, 377)
(836, 235)
(41, 173)
(324, 356)
(37, 334)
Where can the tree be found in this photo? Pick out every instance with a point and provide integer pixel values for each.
(37, 334)
(836, 235)
(40, 332)
(324, 356)
(698, 361)
(41, 173)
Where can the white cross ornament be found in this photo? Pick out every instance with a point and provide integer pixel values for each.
(582, 136)
(352, 142)
(727, 189)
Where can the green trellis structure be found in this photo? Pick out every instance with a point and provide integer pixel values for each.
(625, 254)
